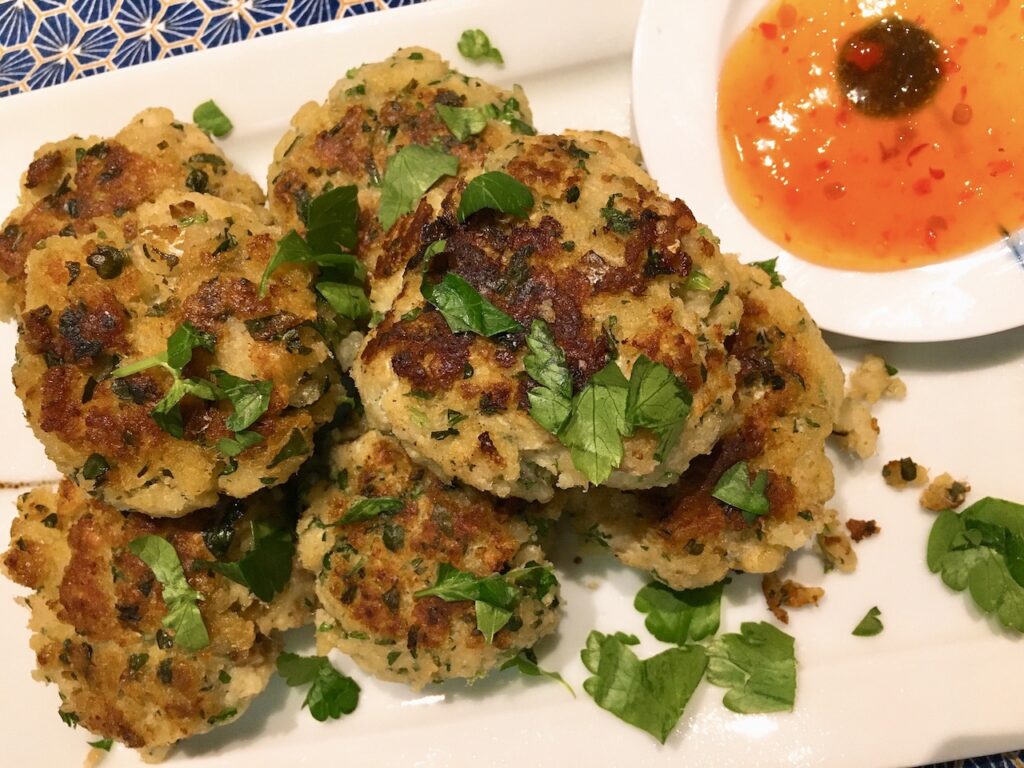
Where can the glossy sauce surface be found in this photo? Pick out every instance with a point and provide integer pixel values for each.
(840, 187)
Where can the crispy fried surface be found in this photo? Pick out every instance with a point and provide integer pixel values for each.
(368, 116)
(788, 390)
(609, 285)
(97, 612)
(188, 257)
(70, 184)
(368, 571)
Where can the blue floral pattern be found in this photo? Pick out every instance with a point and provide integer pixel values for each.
(46, 42)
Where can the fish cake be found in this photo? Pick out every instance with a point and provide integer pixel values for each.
(789, 390)
(606, 262)
(97, 613)
(369, 115)
(71, 183)
(367, 572)
(97, 302)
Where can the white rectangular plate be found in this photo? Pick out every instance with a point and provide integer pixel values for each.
(939, 683)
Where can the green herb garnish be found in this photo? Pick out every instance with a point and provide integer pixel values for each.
(349, 301)
(210, 119)
(296, 446)
(680, 616)
(650, 694)
(596, 424)
(496, 191)
(266, 568)
(476, 46)
(365, 509)
(249, 399)
(181, 600)
(870, 625)
(292, 249)
(659, 401)
(982, 550)
(545, 363)
(409, 174)
(464, 309)
(331, 694)
(768, 267)
(758, 666)
(735, 488)
(464, 122)
(526, 663)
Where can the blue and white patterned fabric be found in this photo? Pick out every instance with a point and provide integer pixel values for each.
(46, 42)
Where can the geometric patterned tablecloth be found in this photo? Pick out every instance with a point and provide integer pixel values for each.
(46, 42)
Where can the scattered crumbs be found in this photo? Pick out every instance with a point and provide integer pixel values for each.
(945, 493)
(899, 473)
(593, 584)
(835, 547)
(862, 529)
(856, 429)
(781, 594)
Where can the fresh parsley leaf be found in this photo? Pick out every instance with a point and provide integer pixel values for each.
(250, 399)
(464, 122)
(365, 509)
(496, 191)
(768, 267)
(181, 601)
(870, 625)
(650, 694)
(104, 744)
(95, 467)
(597, 421)
(758, 666)
(233, 446)
(292, 249)
(982, 550)
(680, 617)
(512, 114)
(331, 694)
(476, 46)
(526, 663)
(296, 446)
(167, 414)
(735, 489)
(698, 281)
(464, 309)
(495, 597)
(266, 568)
(409, 174)
(621, 222)
(659, 401)
(180, 345)
(349, 301)
(210, 119)
(545, 363)
(70, 719)
(332, 221)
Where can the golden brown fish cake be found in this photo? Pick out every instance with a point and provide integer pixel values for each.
(605, 260)
(788, 393)
(97, 612)
(104, 300)
(368, 116)
(368, 572)
(71, 183)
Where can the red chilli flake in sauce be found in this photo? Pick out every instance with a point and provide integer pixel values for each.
(879, 134)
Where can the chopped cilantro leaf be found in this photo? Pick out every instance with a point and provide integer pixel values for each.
(266, 568)
(735, 488)
(526, 663)
(680, 616)
(102, 744)
(464, 309)
(758, 666)
(659, 401)
(210, 119)
(233, 446)
(464, 122)
(332, 221)
(181, 600)
(250, 399)
(596, 423)
(496, 191)
(409, 174)
(292, 249)
(545, 363)
(296, 446)
(768, 267)
(650, 694)
(476, 46)
(870, 625)
(331, 694)
(365, 509)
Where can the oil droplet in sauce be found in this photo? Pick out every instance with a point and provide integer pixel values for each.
(878, 134)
